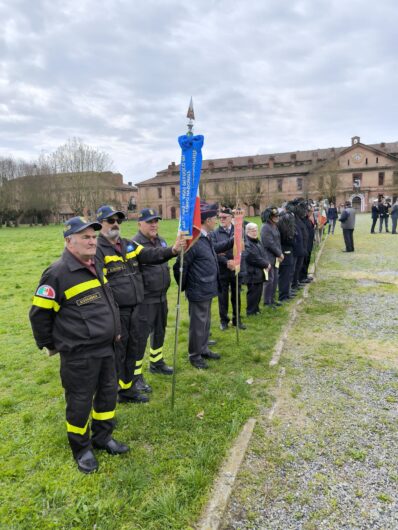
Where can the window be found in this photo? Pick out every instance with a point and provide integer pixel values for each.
(381, 178)
(356, 180)
(159, 193)
(173, 194)
(348, 162)
(366, 161)
(216, 188)
(258, 187)
(160, 209)
(279, 184)
(299, 184)
(377, 159)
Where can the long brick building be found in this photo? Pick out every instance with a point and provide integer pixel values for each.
(359, 172)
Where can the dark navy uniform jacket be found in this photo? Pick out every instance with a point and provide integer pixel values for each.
(201, 276)
(122, 268)
(156, 276)
(73, 310)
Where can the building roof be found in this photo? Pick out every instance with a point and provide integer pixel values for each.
(276, 163)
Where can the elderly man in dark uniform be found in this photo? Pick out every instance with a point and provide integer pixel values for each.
(74, 313)
(227, 272)
(152, 312)
(121, 260)
(201, 283)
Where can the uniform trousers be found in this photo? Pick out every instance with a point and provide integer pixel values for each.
(269, 289)
(253, 297)
(151, 321)
(127, 348)
(285, 274)
(374, 221)
(332, 225)
(89, 383)
(228, 283)
(394, 224)
(348, 234)
(199, 328)
(297, 270)
(381, 221)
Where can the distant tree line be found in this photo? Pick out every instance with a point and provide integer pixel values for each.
(33, 191)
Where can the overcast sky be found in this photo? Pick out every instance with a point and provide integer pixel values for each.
(265, 75)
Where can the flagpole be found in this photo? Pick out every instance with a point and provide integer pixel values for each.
(177, 327)
(237, 307)
(191, 116)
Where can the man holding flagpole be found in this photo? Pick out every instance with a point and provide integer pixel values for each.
(201, 283)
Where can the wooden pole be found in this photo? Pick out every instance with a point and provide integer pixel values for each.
(177, 327)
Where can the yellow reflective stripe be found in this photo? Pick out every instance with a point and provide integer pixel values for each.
(103, 415)
(156, 358)
(76, 430)
(153, 352)
(109, 259)
(125, 386)
(138, 371)
(45, 303)
(139, 363)
(135, 252)
(104, 271)
(81, 288)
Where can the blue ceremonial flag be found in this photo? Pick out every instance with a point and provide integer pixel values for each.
(190, 168)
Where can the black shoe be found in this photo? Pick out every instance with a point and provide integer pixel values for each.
(211, 342)
(211, 355)
(113, 447)
(160, 368)
(199, 363)
(136, 397)
(241, 325)
(307, 280)
(223, 326)
(140, 385)
(87, 463)
(277, 304)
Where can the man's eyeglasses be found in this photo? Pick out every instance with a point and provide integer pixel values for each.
(113, 221)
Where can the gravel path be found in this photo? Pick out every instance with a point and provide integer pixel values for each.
(328, 458)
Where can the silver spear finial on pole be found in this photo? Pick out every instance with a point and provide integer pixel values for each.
(191, 116)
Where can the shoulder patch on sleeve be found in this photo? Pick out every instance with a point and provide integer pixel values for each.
(46, 291)
(163, 243)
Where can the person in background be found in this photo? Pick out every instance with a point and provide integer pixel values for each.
(332, 216)
(347, 219)
(383, 215)
(201, 283)
(286, 227)
(271, 240)
(227, 272)
(375, 215)
(394, 216)
(257, 269)
(152, 312)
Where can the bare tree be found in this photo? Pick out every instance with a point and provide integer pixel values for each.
(324, 180)
(250, 194)
(76, 157)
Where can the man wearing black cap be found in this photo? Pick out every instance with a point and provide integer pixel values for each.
(201, 283)
(121, 259)
(74, 313)
(152, 313)
(227, 272)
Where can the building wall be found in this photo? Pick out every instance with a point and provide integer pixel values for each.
(266, 173)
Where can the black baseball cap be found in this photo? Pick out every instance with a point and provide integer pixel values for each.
(106, 211)
(78, 224)
(148, 214)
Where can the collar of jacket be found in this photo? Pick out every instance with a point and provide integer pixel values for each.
(73, 263)
(106, 243)
(139, 235)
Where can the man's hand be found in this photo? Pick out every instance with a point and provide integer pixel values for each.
(49, 351)
(180, 244)
(231, 264)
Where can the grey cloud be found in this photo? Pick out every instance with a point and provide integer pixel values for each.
(265, 76)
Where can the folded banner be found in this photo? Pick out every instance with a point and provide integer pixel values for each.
(239, 245)
(190, 168)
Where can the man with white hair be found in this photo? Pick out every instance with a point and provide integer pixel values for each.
(257, 269)
(74, 313)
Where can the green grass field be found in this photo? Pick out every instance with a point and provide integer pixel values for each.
(165, 480)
